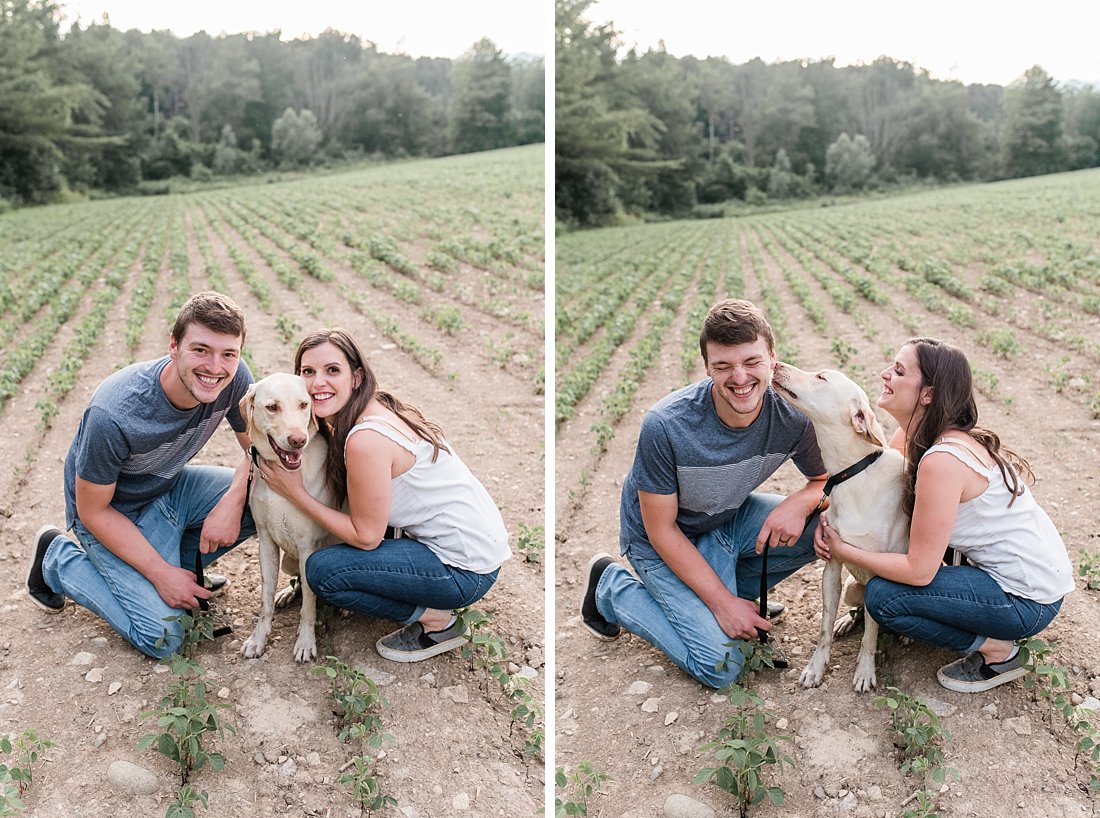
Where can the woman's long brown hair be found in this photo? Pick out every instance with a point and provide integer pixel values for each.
(336, 428)
(946, 370)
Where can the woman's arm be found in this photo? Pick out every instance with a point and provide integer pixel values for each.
(940, 483)
(370, 463)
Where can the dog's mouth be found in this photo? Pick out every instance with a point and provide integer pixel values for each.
(291, 460)
(779, 387)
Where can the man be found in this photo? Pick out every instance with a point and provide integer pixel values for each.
(691, 525)
(140, 515)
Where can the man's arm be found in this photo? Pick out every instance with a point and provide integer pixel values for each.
(222, 525)
(737, 617)
(176, 586)
(786, 522)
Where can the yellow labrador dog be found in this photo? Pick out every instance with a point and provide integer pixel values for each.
(864, 508)
(283, 430)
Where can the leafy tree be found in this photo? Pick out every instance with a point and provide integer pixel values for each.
(1033, 125)
(848, 162)
(295, 137)
(781, 180)
(528, 101)
(481, 111)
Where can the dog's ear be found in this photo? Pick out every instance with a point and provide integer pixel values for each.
(246, 404)
(866, 424)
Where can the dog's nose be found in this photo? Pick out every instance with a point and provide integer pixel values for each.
(296, 441)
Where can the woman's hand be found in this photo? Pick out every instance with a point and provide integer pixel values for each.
(285, 483)
(827, 542)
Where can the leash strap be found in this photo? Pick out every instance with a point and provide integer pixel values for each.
(204, 604)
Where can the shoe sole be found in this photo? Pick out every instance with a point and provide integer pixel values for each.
(30, 567)
(603, 637)
(980, 685)
(419, 655)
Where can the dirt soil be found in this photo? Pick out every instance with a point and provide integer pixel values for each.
(1013, 755)
(80, 685)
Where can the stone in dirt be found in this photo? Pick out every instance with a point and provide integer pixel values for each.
(83, 658)
(128, 777)
(651, 705)
(1020, 725)
(457, 694)
(680, 806)
(461, 802)
(639, 688)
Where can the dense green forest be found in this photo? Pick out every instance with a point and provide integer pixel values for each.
(97, 109)
(652, 133)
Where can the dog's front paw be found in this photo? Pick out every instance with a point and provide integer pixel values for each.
(305, 649)
(864, 680)
(814, 673)
(253, 648)
(844, 625)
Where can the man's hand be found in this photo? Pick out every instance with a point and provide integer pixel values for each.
(178, 588)
(221, 527)
(784, 525)
(739, 619)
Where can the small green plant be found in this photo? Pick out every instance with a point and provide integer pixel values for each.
(357, 700)
(756, 656)
(287, 328)
(744, 749)
(605, 433)
(1002, 341)
(919, 736)
(843, 351)
(186, 719)
(488, 651)
(531, 542)
(365, 787)
(448, 319)
(183, 805)
(16, 776)
(1088, 568)
(576, 788)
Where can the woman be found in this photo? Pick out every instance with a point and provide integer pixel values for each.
(393, 468)
(964, 490)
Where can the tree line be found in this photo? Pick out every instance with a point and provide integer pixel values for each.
(651, 133)
(95, 108)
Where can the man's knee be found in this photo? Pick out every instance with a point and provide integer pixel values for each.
(157, 640)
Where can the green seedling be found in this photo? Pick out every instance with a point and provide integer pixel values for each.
(365, 787)
(919, 735)
(1088, 568)
(531, 542)
(17, 774)
(576, 788)
(183, 805)
(744, 750)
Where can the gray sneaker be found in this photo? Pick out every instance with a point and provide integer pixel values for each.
(971, 674)
(412, 644)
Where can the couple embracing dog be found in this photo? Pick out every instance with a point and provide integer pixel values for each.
(697, 533)
(143, 518)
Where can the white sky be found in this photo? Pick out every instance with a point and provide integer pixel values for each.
(420, 28)
(974, 41)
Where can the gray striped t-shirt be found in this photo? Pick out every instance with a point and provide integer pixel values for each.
(685, 449)
(132, 436)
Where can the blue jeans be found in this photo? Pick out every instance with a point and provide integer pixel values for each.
(398, 580)
(663, 610)
(959, 609)
(87, 572)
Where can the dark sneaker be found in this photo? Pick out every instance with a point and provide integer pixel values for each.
(972, 675)
(40, 593)
(590, 614)
(215, 583)
(776, 610)
(413, 644)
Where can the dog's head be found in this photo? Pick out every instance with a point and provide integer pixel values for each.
(279, 414)
(835, 403)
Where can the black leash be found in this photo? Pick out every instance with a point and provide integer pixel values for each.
(830, 484)
(204, 604)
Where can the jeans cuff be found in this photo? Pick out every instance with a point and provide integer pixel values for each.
(418, 612)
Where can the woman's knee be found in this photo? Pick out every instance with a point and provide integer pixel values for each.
(877, 594)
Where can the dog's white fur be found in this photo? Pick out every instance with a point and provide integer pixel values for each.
(280, 419)
(865, 510)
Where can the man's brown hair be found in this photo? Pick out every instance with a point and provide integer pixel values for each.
(214, 311)
(732, 322)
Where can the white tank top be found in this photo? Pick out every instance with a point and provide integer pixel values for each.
(443, 505)
(1019, 546)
